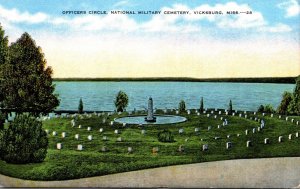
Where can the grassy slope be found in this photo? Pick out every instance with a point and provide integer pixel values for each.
(69, 163)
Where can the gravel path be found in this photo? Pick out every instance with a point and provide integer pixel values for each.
(250, 173)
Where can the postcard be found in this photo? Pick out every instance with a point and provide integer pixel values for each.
(128, 93)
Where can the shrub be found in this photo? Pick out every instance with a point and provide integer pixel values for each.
(165, 136)
(181, 106)
(80, 106)
(24, 141)
(121, 101)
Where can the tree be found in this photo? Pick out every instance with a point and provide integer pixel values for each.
(287, 97)
(24, 141)
(201, 105)
(230, 107)
(121, 101)
(26, 81)
(261, 108)
(294, 106)
(80, 106)
(181, 106)
(269, 108)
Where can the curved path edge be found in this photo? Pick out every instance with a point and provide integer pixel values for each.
(250, 173)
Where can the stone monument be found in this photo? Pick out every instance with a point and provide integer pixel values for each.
(150, 117)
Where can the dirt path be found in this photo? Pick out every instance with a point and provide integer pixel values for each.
(266, 173)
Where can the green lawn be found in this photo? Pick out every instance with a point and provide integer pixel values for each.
(69, 163)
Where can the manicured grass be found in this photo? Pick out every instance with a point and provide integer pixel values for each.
(69, 163)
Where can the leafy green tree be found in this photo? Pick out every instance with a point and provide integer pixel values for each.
(121, 101)
(80, 106)
(181, 106)
(26, 81)
(261, 108)
(24, 141)
(287, 97)
(201, 105)
(269, 108)
(294, 106)
(230, 107)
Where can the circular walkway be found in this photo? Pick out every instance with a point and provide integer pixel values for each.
(250, 173)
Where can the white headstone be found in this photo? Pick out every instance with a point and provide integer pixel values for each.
(63, 134)
(220, 112)
(77, 136)
(238, 135)
(212, 112)
(258, 129)
(198, 114)
(103, 120)
(197, 129)
(272, 115)
(129, 149)
(228, 145)
(116, 131)
(215, 116)
(177, 112)
(89, 128)
(143, 132)
(290, 136)
(279, 116)
(255, 119)
(246, 116)
(59, 146)
(209, 128)
(103, 149)
(280, 139)
(297, 122)
(228, 136)
(254, 113)
(240, 115)
(101, 130)
(111, 123)
(292, 120)
(208, 115)
(119, 139)
(219, 126)
(226, 113)
(47, 131)
(204, 112)
(263, 114)
(79, 126)
(253, 130)
(180, 131)
(90, 137)
(181, 148)
(233, 114)
(266, 141)
(155, 150)
(246, 131)
(188, 112)
(221, 118)
(287, 118)
(73, 123)
(248, 143)
(204, 147)
(54, 133)
(79, 147)
(104, 138)
(297, 134)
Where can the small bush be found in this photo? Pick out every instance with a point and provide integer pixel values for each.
(261, 108)
(269, 108)
(165, 136)
(24, 141)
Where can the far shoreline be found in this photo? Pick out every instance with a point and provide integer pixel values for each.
(279, 80)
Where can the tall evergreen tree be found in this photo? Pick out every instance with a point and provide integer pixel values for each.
(80, 106)
(294, 106)
(287, 97)
(201, 105)
(230, 108)
(27, 82)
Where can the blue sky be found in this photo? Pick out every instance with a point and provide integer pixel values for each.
(273, 26)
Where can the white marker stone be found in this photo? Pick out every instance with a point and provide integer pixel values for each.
(47, 131)
(54, 133)
(180, 131)
(297, 134)
(253, 130)
(119, 139)
(111, 123)
(215, 116)
(79, 147)
(266, 141)
(101, 130)
(228, 136)
(116, 131)
(228, 145)
(279, 116)
(79, 126)
(287, 118)
(89, 128)
(246, 131)
(143, 132)
(104, 138)
(197, 130)
(272, 115)
(290, 136)
(59, 146)
(129, 149)
(90, 137)
(233, 114)
(220, 112)
(63, 134)
(219, 126)
(208, 115)
(77, 136)
(248, 143)
(280, 139)
(209, 128)
(204, 147)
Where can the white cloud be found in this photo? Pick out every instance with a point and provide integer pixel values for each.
(14, 15)
(291, 7)
(278, 28)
